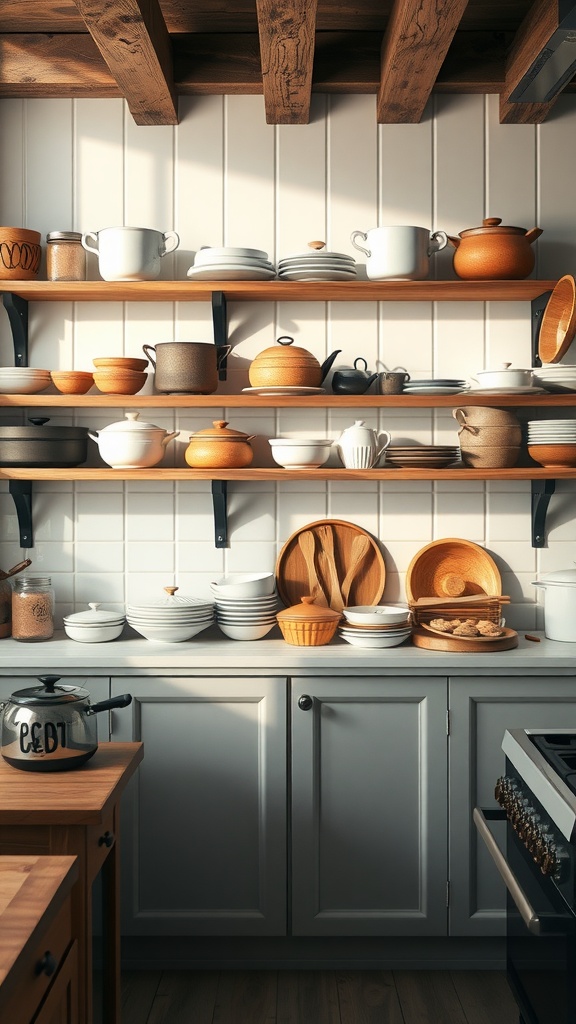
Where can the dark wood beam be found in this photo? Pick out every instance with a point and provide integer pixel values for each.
(287, 30)
(531, 37)
(133, 40)
(415, 44)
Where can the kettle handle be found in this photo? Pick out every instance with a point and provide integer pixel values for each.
(364, 237)
(106, 705)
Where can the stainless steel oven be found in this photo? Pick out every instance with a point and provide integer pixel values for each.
(537, 798)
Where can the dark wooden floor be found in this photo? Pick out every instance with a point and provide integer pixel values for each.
(317, 997)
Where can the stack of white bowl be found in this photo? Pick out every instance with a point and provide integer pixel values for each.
(246, 605)
(23, 380)
(376, 626)
(172, 619)
(94, 626)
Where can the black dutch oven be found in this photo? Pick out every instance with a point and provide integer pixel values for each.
(39, 445)
(51, 727)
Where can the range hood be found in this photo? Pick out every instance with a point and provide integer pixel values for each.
(554, 65)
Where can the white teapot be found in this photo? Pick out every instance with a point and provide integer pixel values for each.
(360, 447)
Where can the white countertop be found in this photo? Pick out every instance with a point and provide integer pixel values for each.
(211, 653)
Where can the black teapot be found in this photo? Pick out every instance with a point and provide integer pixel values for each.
(353, 382)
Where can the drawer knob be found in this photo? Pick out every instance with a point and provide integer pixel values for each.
(47, 965)
(106, 840)
(305, 702)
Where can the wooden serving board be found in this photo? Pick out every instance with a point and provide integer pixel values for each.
(432, 641)
(292, 575)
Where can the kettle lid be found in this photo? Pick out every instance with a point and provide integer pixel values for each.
(48, 694)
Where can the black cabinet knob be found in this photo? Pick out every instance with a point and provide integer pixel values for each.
(47, 965)
(305, 702)
(106, 840)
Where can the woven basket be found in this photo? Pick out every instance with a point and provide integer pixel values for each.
(452, 568)
(491, 611)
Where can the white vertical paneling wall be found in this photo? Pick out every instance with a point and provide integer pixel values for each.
(223, 176)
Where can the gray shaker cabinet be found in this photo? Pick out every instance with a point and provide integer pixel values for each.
(369, 809)
(204, 821)
(481, 710)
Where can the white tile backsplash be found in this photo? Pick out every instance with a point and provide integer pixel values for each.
(222, 176)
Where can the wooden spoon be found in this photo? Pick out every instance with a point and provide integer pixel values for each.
(326, 538)
(307, 545)
(358, 550)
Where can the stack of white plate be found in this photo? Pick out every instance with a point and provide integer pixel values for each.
(231, 263)
(434, 386)
(23, 380)
(172, 619)
(375, 636)
(556, 376)
(246, 618)
(423, 456)
(317, 265)
(551, 431)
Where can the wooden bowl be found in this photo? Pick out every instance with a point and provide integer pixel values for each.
(452, 568)
(553, 454)
(20, 253)
(120, 363)
(116, 382)
(558, 325)
(72, 382)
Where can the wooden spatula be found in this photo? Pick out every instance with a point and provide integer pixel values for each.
(307, 545)
(358, 551)
(326, 538)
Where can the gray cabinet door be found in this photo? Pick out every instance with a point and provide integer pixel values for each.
(204, 821)
(481, 709)
(369, 809)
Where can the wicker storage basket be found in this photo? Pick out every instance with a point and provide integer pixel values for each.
(308, 624)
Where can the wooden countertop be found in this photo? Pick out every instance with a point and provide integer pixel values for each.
(82, 796)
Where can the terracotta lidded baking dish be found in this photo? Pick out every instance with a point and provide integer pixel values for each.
(494, 251)
(219, 447)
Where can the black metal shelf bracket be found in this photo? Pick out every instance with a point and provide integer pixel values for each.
(17, 309)
(220, 503)
(542, 491)
(21, 491)
(220, 321)
(538, 305)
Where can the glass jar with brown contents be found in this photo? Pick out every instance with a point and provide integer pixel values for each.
(65, 256)
(32, 608)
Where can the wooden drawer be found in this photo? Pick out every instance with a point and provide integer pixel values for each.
(99, 842)
(61, 1003)
(47, 953)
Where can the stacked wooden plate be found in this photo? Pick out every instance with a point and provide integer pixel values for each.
(423, 456)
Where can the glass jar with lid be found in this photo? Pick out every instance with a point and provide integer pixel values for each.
(65, 256)
(32, 608)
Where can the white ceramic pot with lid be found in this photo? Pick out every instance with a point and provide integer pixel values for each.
(132, 443)
(559, 604)
(504, 375)
(95, 625)
(360, 447)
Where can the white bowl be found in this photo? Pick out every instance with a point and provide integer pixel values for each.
(169, 634)
(357, 640)
(376, 615)
(248, 632)
(261, 584)
(506, 377)
(18, 383)
(93, 634)
(305, 453)
(244, 620)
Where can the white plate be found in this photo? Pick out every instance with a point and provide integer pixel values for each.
(230, 250)
(287, 390)
(526, 390)
(433, 390)
(228, 272)
(315, 254)
(317, 275)
(316, 265)
(232, 261)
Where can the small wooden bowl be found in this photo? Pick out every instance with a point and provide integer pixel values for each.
(553, 454)
(72, 382)
(114, 382)
(558, 325)
(452, 568)
(20, 253)
(120, 363)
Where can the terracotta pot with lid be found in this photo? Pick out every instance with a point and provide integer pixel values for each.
(288, 366)
(219, 447)
(494, 251)
(308, 624)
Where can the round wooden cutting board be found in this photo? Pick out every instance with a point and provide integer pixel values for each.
(434, 641)
(292, 573)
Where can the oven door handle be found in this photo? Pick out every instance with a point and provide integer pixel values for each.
(526, 911)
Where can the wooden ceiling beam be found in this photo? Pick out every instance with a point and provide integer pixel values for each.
(415, 43)
(532, 36)
(133, 39)
(286, 31)
(38, 65)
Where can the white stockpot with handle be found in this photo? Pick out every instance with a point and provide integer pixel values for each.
(131, 443)
(559, 604)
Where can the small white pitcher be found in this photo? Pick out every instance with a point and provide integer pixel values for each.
(360, 447)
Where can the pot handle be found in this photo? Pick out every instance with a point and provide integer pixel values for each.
(90, 248)
(171, 242)
(538, 583)
(533, 234)
(93, 435)
(222, 351)
(438, 241)
(148, 350)
(454, 240)
(364, 237)
(169, 437)
(107, 705)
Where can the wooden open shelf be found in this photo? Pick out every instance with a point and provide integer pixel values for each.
(286, 475)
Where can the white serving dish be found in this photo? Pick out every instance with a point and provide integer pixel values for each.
(243, 585)
(295, 453)
(169, 634)
(93, 634)
(246, 632)
(357, 640)
(504, 376)
(376, 615)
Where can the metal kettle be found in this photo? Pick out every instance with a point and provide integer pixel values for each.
(50, 727)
